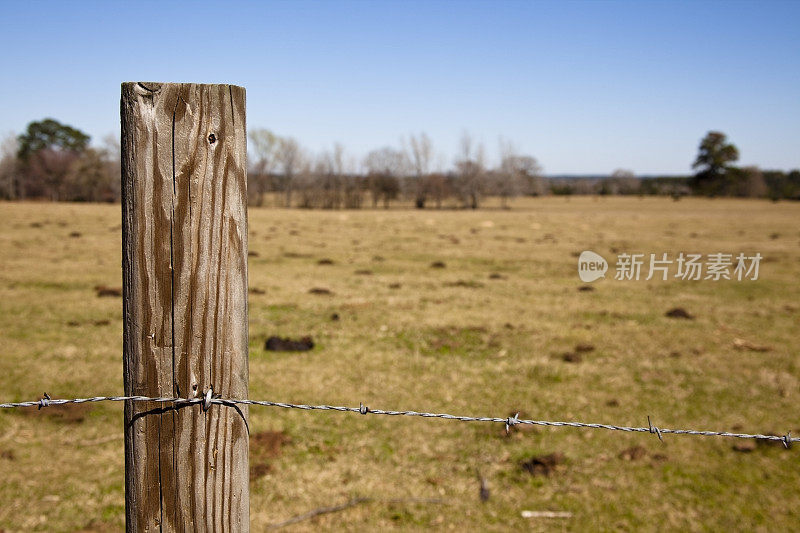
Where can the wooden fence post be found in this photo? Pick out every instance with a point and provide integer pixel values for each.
(184, 259)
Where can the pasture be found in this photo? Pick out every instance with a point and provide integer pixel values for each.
(464, 312)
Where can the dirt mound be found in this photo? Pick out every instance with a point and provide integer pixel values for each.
(543, 465)
(679, 312)
(285, 344)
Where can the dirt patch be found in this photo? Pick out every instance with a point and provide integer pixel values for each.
(395, 285)
(321, 291)
(438, 264)
(679, 312)
(259, 470)
(586, 288)
(252, 254)
(464, 283)
(744, 447)
(103, 291)
(634, 453)
(256, 290)
(265, 446)
(75, 234)
(584, 348)
(497, 275)
(571, 357)
(70, 413)
(363, 272)
(8, 455)
(285, 344)
(325, 261)
(296, 255)
(99, 323)
(543, 465)
(335, 317)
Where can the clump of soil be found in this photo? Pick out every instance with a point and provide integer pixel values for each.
(265, 446)
(104, 291)
(438, 264)
(679, 312)
(572, 357)
(335, 317)
(584, 348)
(320, 291)
(465, 284)
(101, 322)
(634, 453)
(251, 253)
(586, 288)
(285, 344)
(256, 290)
(75, 234)
(395, 285)
(325, 261)
(543, 465)
(496, 275)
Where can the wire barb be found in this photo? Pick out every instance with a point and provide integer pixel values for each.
(44, 402)
(511, 422)
(654, 429)
(363, 409)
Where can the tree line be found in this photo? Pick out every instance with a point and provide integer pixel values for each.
(54, 161)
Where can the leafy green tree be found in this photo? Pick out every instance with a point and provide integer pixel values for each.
(713, 159)
(51, 134)
(46, 152)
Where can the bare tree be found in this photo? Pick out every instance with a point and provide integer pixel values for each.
(264, 145)
(385, 167)
(421, 150)
(291, 158)
(471, 171)
(9, 186)
(518, 174)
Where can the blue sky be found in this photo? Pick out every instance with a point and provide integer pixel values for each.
(586, 87)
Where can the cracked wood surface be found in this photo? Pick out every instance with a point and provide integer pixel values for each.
(184, 247)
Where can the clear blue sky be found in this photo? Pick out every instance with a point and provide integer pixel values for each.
(586, 87)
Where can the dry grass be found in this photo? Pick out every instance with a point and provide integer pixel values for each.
(485, 334)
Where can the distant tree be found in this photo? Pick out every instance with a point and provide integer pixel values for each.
(471, 171)
(46, 152)
(714, 156)
(747, 182)
(385, 167)
(291, 159)
(421, 152)
(621, 181)
(264, 146)
(518, 174)
(8, 168)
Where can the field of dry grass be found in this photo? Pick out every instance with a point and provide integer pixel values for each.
(501, 326)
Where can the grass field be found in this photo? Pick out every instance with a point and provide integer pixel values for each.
(485, 335)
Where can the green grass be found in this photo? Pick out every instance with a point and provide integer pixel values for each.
(449, 340)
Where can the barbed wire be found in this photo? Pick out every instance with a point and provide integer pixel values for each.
(209, 398)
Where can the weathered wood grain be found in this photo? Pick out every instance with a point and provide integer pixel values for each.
(184, 246)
